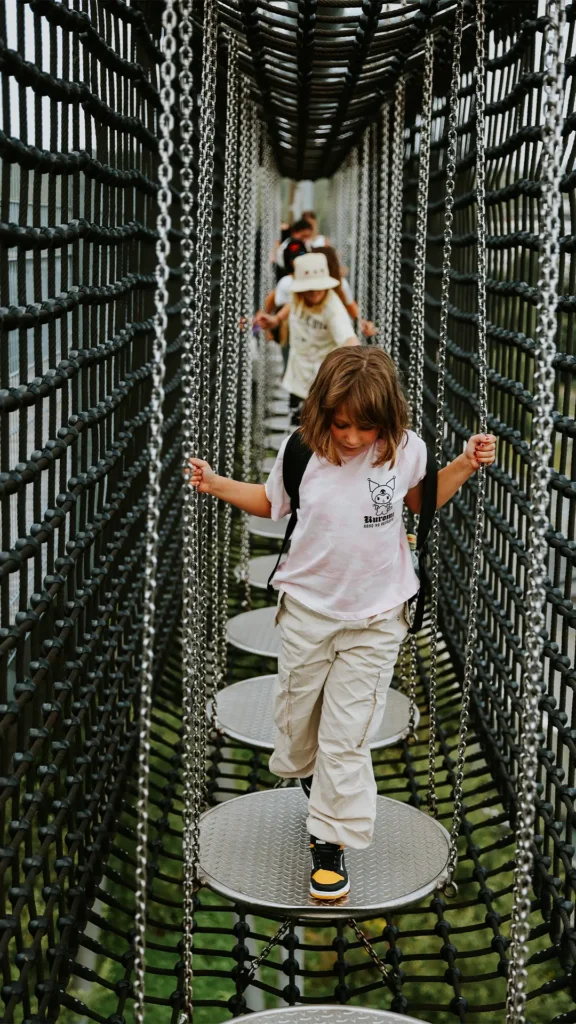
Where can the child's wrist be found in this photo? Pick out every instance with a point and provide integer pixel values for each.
(469, 462)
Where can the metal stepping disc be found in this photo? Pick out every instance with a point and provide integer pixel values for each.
(333, 1014)
(254, 850)
(274, 441)
(279, 407)
(246, 714)
(255, 632)
(278, 423)
(259, 570)
(273, 528)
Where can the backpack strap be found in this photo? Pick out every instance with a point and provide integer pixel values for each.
(427, 513)
(429, 500)
(297, 455)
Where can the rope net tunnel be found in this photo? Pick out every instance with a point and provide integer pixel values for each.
(145, 147)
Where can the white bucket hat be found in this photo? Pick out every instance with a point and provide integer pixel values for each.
(311, 273)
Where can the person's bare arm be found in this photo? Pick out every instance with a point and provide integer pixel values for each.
(250, 498)
(480, 451)
(269, 301)
(271, 321)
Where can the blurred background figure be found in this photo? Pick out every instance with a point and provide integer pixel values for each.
(295, 245)
(344, 291)
(317, 240)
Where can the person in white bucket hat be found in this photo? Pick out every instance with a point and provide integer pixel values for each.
(318, 324)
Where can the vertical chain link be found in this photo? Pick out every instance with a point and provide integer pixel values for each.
(192, 764)
(392, 341)
(264, 287)
(370, 312)
(441, 371)
(383, 224)
(416, 374)
(163, 225)
(353, 226)
(228, 322)
(476, 568)
(541, 457)
(246, 296)
(196, 362)
(362, 248)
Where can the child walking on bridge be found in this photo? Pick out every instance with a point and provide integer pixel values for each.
(344, 588)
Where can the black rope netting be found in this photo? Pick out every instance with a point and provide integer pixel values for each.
(78, 144)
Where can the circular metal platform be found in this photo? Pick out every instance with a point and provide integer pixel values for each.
(272, 528)
(333, 1014)
(255, 632)
(254, 850)
(279, 407)
(246, 714)
(274, 441)
(278, 423)
(259, 570)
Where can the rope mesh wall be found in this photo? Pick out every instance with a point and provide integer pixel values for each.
(78, 148)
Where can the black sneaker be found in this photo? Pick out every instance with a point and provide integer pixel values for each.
(307, 785)
(329, 878)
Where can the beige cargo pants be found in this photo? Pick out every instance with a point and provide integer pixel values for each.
(333, 677)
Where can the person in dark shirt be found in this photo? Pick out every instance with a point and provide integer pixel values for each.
(296, 245)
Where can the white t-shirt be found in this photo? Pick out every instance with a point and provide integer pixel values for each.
(349, 556)
(283, 292)
(319, 242)
(312, 336)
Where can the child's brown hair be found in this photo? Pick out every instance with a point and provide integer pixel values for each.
(365, 380)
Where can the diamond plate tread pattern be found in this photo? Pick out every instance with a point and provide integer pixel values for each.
(246, 714)
(255, 632)
(254, 850)
(330, 1015)
(272, 528)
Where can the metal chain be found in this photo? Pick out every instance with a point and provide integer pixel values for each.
(264, 208)
(476, 569)
(378, 962)
(541, 458)
(228, 321)
(362, 248)
(192, 764)
(257, 962)
(441, 372)
(163, 225)
(246, 287)
(196, 302)
(353, 207)
(412, 680)
(416, 375)
(392, 341)
(217, 650)
(166, 124)
(370, 311)
(383, 223)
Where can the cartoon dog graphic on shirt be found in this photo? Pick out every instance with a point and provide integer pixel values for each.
(382, 495)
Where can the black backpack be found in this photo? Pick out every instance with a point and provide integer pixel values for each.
(297, 455)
